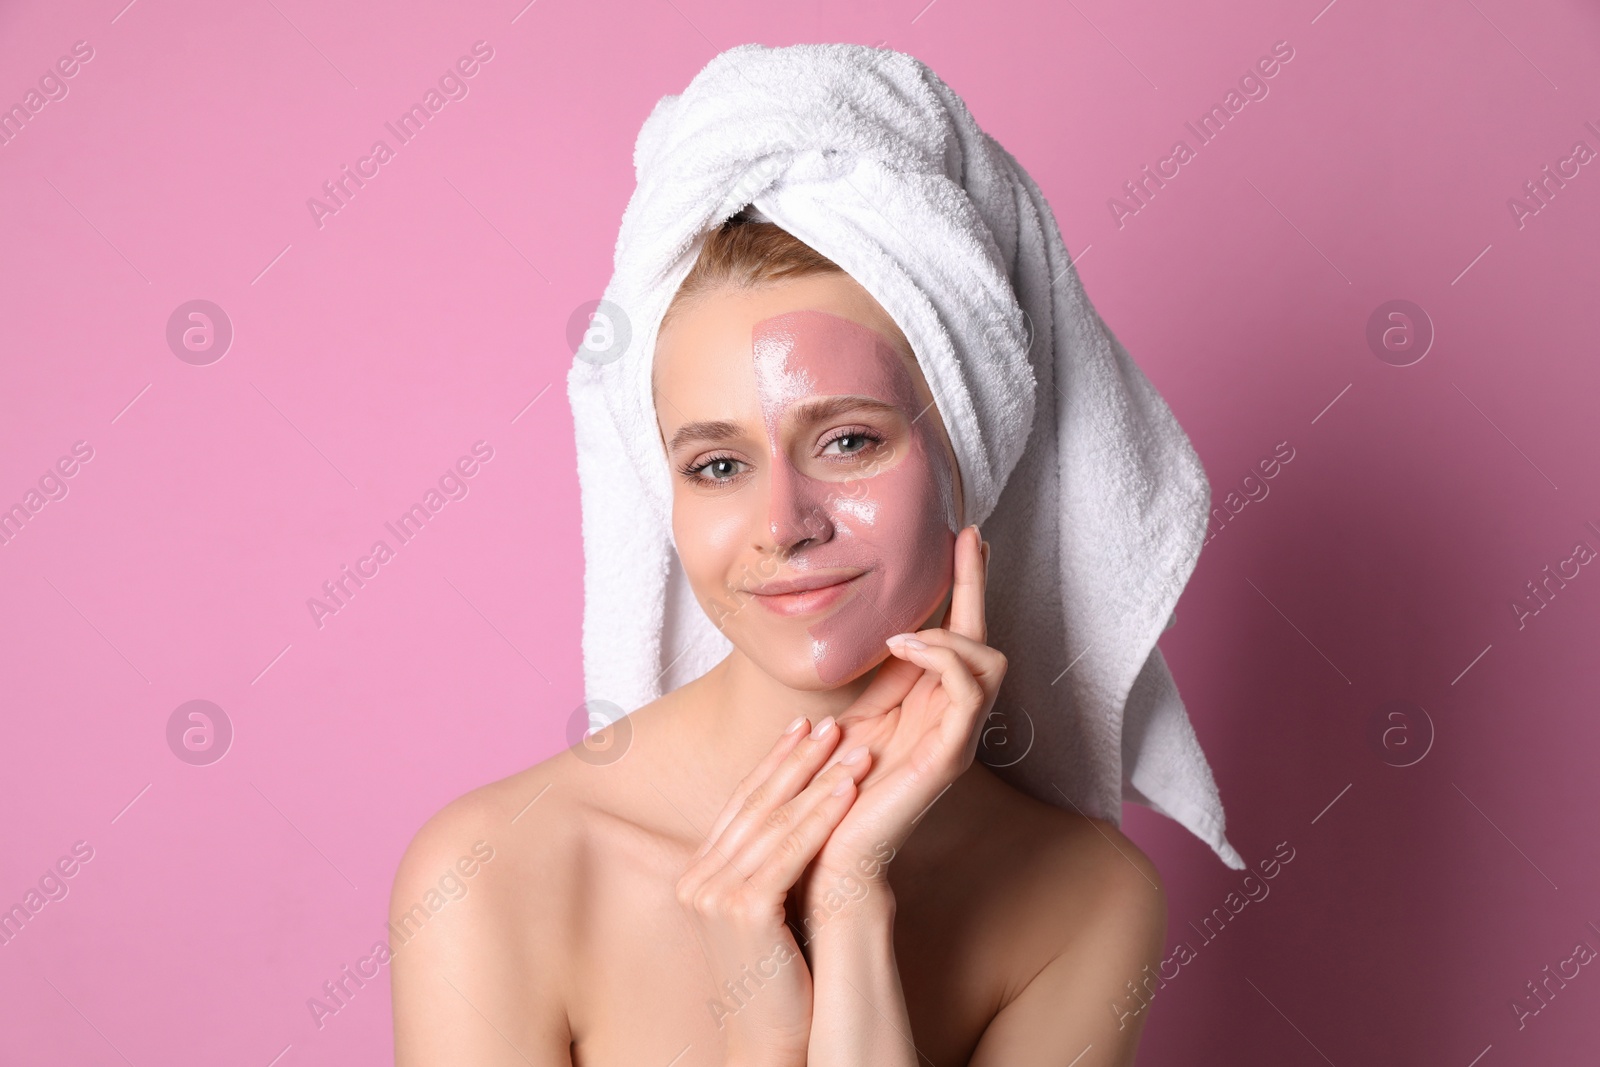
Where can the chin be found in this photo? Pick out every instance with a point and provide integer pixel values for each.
(796, 666)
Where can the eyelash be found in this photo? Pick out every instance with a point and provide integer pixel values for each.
(692, 471)
(873, 438)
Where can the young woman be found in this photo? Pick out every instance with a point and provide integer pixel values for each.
(796, 859)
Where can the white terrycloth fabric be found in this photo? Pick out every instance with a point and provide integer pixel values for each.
(1083, 481)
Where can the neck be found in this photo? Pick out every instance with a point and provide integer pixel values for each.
(735, 713)
(726, 720)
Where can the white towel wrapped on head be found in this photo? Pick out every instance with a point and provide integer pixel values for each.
(1084, 483)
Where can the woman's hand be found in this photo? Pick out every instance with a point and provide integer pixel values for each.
(919, 718)
(735, 889)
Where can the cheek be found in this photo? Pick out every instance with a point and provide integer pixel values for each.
(899, 520)
(897, 526)
(904, 511)
(912, 540)
(711, 536)
(899, 516)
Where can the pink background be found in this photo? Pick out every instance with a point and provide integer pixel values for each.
(431, 311)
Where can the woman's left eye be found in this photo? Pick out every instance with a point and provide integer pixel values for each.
(850, 443)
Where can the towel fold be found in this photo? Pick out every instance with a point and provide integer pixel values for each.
(1084, 483)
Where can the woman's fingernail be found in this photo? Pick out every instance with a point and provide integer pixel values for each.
(912, 643)
(822, 728)
(844, 786)
(792, 727)
(898, 639)
(856, 755)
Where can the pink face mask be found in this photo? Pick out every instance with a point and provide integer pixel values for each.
(891, 516)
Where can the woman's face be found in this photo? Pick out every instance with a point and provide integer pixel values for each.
(814, 495)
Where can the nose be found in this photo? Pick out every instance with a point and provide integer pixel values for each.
(797, 508)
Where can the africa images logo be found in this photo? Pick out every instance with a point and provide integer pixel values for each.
(452, 85)
(1253, 85)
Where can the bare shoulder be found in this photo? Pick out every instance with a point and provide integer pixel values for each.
(1117, 889)
(1094, 907)
(1103, 867)
(511, 816)
(493, 823)
(478, 918)
(542, 836)
(1072, 872)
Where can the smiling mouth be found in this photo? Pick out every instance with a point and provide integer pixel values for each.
(803, 596)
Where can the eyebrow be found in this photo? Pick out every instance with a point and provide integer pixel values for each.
(818, 410)
(833, 406)
(709, 432)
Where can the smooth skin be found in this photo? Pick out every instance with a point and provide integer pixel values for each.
(894, 906)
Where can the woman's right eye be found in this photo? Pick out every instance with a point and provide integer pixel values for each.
(715, 469)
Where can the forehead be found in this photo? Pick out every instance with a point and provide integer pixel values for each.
(814, 352)
(824, 334)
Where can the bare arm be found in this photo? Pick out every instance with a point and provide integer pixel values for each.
(924, 707)
(466, 990)
(859, 1014)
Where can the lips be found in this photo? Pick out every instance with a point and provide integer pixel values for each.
(804, 595)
